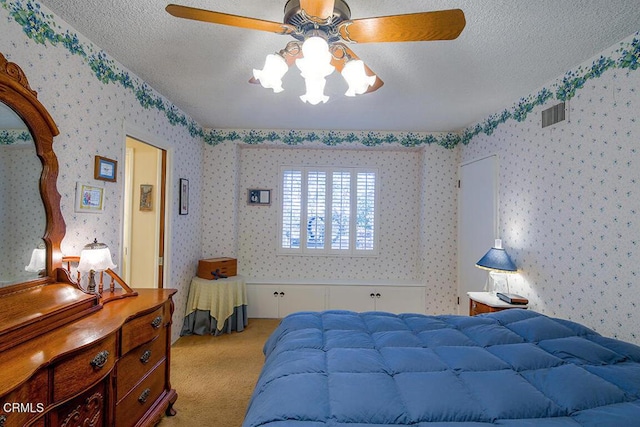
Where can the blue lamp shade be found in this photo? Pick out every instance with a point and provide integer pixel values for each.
(497, 259)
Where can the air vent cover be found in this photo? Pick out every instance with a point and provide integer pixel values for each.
(553, 115)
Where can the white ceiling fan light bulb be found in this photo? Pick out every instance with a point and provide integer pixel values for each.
(357, 78)
(270, 77)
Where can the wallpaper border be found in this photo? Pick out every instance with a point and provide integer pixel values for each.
(12, 137)
(41, 28)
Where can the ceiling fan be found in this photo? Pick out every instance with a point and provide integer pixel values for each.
(320, 28)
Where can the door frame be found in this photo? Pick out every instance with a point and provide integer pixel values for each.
(135, 132)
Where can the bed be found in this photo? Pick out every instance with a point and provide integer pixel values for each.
(510, 368)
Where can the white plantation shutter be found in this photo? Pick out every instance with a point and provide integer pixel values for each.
(316, 209)
(332, 210)
(340, 210)
(291, 208)
(365, 210)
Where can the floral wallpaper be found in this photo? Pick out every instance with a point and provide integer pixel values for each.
(93, 101)
(569, 200)
(22, 216)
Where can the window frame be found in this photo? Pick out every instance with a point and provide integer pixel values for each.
(327, 251)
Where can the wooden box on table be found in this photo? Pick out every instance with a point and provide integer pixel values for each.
(223, 266)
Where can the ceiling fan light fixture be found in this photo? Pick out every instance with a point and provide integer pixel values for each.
(270, 77)
(357, 78)
(314, 66)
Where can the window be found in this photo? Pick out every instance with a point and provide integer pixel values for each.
(328, 211)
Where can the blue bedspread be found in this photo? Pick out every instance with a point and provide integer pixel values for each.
(511, 368)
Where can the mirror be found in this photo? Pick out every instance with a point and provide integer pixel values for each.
(22, 215)
(30, 216)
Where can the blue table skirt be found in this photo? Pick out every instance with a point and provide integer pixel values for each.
(200, 322)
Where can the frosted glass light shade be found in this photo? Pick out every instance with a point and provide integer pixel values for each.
(356, 77)
(315, 91)
(270, 77)
(95, 257)
(38, 260)
(314, 66)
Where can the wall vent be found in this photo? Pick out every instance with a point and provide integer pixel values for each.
(553, 115)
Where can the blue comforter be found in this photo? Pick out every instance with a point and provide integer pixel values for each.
(511, 368)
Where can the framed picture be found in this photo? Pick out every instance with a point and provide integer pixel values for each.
(258, 197)
(184, 196)
(146, 197)
(105, 169)
(89, 198)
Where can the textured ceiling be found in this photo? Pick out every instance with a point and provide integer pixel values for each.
(508, 49)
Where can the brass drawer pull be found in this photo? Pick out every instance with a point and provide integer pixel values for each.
(145, 395)
(156, 322)
(145, 356)
(100, 360)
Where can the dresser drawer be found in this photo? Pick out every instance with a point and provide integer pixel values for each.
(32, 395)
(84, 368)
(142, 329)
(130, 409)
(87, 409)
(138, 362)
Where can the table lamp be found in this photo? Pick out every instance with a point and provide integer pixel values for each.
(95, 257)
(497, 260)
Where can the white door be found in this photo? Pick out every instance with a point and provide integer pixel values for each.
(262, 301)
(354, 298)
(401, 299)
(301, 298)
(477, 223)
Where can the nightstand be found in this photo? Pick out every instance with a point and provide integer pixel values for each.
(488, 302)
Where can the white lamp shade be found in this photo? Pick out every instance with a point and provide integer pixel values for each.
(314, 66)
(98, 259)
(38, 260)
(357, 78)
(270, 77)
(315, 91)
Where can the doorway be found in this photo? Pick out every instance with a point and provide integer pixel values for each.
(144, 216)
(477, 223)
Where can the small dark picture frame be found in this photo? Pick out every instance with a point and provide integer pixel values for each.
(105, 169)
(184, 196)
(258, 197)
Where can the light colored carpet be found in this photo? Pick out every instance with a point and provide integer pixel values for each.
(215, 376)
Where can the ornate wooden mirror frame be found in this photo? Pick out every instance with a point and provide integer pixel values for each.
(31, 308)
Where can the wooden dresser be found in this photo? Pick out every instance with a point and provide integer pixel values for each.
(108, 368)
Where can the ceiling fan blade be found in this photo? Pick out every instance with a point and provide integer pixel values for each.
(321, 9)
(424, 26)
(341, 54)
(227, 19)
